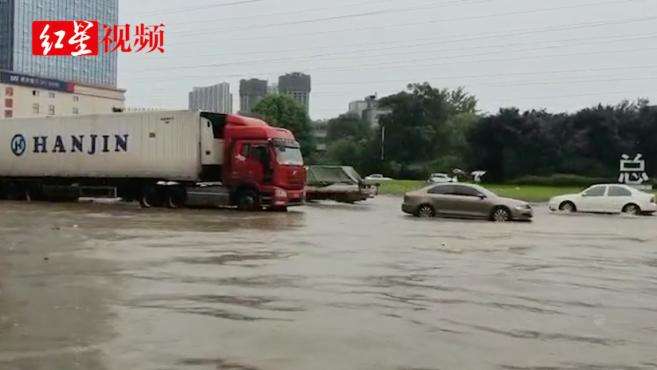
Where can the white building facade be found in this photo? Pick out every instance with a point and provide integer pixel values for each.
(25, 96)
(216, 98)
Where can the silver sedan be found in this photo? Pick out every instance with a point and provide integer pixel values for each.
(465, 201)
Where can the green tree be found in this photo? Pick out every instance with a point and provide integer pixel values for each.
(347, 126)
(426, 124)
(283, 111)
(345, 152)
(511, 144)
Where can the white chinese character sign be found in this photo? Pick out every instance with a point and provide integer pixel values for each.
(82, 38)
(633, 171)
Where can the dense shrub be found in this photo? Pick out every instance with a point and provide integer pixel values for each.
(561, 180)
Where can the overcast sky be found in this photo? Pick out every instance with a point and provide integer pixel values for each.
(559, 54)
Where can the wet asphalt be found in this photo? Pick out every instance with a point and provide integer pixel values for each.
(325, 286)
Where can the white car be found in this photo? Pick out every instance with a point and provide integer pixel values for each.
(376, 180)
(606, 198)
(377, 177)
(440, 178)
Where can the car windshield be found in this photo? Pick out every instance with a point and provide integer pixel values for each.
(289, 155)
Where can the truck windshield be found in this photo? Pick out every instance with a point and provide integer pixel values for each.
(288, 155)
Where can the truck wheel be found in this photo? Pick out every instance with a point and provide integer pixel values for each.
(247, 200)
(176, 197)
(150, 197)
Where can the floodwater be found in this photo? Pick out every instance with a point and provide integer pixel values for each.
(111, 286)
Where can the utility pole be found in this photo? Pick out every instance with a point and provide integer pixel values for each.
(383, 140)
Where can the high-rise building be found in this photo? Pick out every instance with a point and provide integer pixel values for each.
(251, 93)
(216, 98)
(298, 86)
(33, 86)
(6, 34)
(16, 17)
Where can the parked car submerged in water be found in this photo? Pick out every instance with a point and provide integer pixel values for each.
(606, 198)
(376, 179)
(465, 201)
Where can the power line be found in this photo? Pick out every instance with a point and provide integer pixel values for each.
(365, 66)
(478, 76)
(461, 38)
(545, 83)
(532, 83)
(341, 55)
(506, 84)
(215, 32)
(569, 96)
(417, 66)
(344, 16)
(202, 7)
(291, 12)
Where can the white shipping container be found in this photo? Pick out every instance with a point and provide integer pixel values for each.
(159, 145)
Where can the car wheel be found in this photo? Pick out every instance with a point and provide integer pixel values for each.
(501, 215)
(568, 207)
(632, 209)
(425, 211)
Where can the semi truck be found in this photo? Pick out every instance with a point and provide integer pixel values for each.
(159, 158)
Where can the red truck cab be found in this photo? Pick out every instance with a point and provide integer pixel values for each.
(262, 165)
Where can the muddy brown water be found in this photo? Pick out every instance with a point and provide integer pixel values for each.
(111, 286)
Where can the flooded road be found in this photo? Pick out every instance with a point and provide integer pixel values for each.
(111, 286)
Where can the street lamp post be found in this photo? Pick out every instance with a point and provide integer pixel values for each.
(383, 139)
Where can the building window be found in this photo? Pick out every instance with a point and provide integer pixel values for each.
(35, 108)
(76, 98)
(76, 110)
(35, 93)
(9, 91)
(9, 103)
(51, 110)
(8, 114)
(51, 95)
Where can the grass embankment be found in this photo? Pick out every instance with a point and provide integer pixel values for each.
(529, 193)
